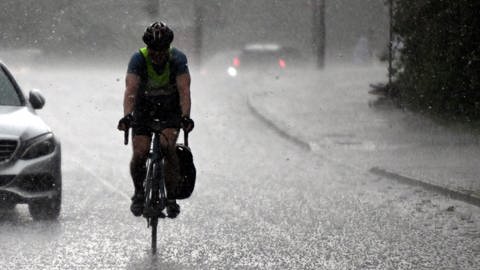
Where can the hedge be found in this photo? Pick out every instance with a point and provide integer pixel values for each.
(438, 65)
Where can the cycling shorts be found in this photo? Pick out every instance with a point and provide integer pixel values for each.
(167, 120)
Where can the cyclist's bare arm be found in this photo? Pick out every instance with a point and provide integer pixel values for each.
(132, 83)
(183, 85)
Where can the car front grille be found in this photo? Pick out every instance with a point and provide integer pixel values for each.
(7, 148)
(36, 182)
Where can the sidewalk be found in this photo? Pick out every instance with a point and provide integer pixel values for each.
(331, 112)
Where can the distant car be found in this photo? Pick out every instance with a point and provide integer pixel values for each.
(268, 58)
(30, 154)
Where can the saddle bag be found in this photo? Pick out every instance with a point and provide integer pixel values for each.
(188, 172)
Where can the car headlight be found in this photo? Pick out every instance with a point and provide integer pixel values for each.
(39, 146)
(232, 71)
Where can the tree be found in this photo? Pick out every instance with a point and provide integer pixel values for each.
(439, 65)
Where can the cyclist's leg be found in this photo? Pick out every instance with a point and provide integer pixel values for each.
(172, 169)
(141, 146)
(168, 142)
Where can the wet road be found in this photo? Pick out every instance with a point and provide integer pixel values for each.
(261, 201)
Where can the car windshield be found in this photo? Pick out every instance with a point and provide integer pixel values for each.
(8, 93)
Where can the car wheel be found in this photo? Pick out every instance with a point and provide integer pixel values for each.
(46, 209)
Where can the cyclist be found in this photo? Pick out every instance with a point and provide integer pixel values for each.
(157, 87)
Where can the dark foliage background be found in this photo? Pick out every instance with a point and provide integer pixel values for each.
(438, 67)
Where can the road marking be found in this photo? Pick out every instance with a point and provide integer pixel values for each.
(279, 130)
(102, 180)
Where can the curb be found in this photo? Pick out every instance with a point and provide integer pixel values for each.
(275, 127)
(470, 198)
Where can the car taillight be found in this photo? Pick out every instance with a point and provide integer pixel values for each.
(236, 62)
(282, 63)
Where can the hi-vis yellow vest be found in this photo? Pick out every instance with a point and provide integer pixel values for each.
(157, 84)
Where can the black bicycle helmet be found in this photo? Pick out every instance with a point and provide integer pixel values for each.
(158, 36)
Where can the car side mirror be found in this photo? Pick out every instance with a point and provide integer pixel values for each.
(36, 99)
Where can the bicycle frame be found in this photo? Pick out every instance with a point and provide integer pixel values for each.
(154, 183)
(155, 195)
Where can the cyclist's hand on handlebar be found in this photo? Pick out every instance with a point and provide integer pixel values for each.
(187, 124)
(126, 122)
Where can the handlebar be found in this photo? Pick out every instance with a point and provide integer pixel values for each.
(126, 133)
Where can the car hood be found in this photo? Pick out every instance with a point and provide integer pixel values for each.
(20, 122)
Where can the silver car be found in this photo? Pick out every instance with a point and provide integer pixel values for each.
(30, 154)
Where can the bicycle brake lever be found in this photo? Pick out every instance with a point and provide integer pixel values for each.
(185, 138)
(125, 139)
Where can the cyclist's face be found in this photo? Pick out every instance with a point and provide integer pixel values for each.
(158, 57)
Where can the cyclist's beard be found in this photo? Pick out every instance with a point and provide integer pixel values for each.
(160, 60)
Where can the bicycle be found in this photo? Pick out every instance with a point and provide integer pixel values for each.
(154, 183)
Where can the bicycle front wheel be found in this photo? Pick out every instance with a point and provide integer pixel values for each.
(153, 224)
(156, 204)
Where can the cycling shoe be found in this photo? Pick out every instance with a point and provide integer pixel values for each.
(173, 209)
(137, 204)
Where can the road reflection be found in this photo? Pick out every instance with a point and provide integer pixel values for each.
(144, 260)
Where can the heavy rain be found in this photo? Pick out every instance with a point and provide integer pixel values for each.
(328, 134)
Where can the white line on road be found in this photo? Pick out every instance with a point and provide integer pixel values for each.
(102, 180)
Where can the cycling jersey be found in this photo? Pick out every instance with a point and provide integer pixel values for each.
(178, 65)
(158, 95)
